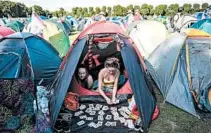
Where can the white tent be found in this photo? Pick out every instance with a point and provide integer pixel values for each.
(148, 35)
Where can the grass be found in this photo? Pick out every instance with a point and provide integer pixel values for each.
(174, 120)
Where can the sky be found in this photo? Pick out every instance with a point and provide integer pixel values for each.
(68, 4)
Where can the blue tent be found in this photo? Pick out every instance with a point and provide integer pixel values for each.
(201, 16)
(137, 76)
(67, 27)
(204, 25)
(43, 57)
(72, 21)
(180, 67)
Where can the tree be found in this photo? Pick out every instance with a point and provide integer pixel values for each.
(85, 10)
(150, 7)
(91, 9)
(38, 10)
(196, 7)
(205, 6)
(103, 9)
(137, 7)
(160, 9)
(109, 11)
(79, 12)
(173, 9)
(130, 7)
(74, 11)
(97, 10)
(144, 9)
(62, 12)
(187, 8)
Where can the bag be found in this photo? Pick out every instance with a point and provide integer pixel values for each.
(72, 101)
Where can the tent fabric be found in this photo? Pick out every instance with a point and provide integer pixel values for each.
(11, 67)
(50, 31)
(169, 67)
(64, 78)
(178, 93)
(138, 84)
(200, 66)
(4, 31)
(201, 16)
(56, 37)
(2, 22)
(15, 25)
(102, 27)
(14, 60)
(44, 58)
(67, 27)
(166, 53)
(195, 32)
(131, 26)
(204, 25)
(143, 33)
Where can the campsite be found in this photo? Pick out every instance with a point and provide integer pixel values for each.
(138, 68)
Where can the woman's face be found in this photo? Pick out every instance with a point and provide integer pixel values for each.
(111, 66)
(82, 73)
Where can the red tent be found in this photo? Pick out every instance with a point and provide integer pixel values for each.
(88, 50)
(4, 31)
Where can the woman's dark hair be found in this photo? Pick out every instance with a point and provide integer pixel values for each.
(81, 66)
(112, 62)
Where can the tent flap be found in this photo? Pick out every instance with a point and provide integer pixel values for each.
(144, 99)
(179, 93)
(65, 77)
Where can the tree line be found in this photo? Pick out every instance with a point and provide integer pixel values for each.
(16, 9)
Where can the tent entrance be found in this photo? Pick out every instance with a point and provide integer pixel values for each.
(98, 48)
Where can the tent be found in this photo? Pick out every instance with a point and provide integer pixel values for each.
(2, 22)
(50, 31)
(17, 93)
(4, 31)
(180, 67)
(204, 25)
(67, 27)
(43, 57)
(15, 25)
(72, 21)
(57, 37)
(18, 106)
(201, 16)
(106, 35)
(118, 22)
(146, 36)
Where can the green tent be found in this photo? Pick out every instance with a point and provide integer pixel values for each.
(15, 25)
(54, 33)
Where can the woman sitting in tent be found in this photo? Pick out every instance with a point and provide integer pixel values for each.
(84, 78)
(108, 80)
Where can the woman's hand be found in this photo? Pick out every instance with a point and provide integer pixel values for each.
(109, 102)
(115, 101)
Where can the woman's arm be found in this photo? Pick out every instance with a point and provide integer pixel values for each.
(100, 78)
(90, 81)
(115, 86)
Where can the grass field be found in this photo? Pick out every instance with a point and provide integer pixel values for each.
(175, 120)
